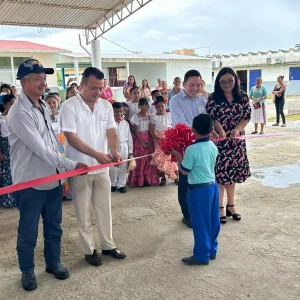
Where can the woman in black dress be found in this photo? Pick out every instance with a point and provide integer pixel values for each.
(231, 113)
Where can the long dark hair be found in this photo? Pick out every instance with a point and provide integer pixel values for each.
(147, 85)
(134, 82)
(218, 94)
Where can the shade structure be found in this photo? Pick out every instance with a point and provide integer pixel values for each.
(95, 17)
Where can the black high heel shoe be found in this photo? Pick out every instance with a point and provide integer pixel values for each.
(235, 217)
(223, 220)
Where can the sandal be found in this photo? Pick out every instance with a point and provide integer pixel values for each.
(163, 182)
(235, 217)
(223, 219)
(254, 132)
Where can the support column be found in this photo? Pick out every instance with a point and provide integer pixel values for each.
(76, 68)
(63, 79)
(96, 54)
(127, 70)
(13, 77)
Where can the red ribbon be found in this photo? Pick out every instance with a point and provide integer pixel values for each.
(255, 136)
(43, 180)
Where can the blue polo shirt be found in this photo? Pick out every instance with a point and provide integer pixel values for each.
(184, 109)
(199, 161)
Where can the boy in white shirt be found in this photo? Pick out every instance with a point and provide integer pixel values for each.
(118, 174)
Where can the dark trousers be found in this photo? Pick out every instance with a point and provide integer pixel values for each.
(32, 204)
(183, 190)
(204, 208)
(279, 104)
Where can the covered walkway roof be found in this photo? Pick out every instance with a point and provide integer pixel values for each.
(96, 17)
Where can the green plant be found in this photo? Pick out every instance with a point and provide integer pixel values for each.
(59, 79)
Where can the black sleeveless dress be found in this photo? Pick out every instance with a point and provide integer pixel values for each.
(277, 89)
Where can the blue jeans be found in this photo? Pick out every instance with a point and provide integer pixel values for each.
(32, 204)
(279, 105)
(204, 210)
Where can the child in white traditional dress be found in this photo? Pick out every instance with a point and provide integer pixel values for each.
(118, 174)
(133, 105)
(159, 123)
(144, 174)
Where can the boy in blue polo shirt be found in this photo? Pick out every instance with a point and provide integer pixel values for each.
(203, 198)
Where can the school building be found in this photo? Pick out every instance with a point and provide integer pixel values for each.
(267, 65)
(118, 66)
(13, 53)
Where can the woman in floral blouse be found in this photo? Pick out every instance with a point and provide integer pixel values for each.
(231, 112)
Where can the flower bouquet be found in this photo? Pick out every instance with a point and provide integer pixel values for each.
(177, 138)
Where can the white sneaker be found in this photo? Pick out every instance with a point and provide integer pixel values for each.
(283, 125)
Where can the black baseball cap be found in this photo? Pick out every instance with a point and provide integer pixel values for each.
(32, 66)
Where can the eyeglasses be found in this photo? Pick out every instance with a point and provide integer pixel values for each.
(228, 82)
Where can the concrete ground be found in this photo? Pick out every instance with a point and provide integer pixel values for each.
(259, 257)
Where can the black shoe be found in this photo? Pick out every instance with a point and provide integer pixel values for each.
(113, 189)
(192, 261)
(187, 222)
(94, 259)
(122, 190)
(29, 281)
(116, 253)
(213, 257)
(59, 271)
(235, 217)
(223, 219)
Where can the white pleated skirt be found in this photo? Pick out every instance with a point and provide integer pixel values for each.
(259, 115)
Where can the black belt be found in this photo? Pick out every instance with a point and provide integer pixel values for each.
(200, 185)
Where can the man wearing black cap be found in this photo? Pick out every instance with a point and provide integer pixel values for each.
(35, 153)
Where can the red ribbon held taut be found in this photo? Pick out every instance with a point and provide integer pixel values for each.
(56, 177)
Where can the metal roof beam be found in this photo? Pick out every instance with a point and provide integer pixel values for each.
(108, 22)
(52, 5)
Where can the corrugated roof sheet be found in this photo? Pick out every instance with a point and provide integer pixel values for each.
(77, 14)
(12, 45)
(142, 56)
(256, 53)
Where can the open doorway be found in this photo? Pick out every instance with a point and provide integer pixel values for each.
(243, 76)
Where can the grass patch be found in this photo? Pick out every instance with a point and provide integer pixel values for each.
(295, 117)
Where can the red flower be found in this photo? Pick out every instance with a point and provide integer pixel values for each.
(177, 138)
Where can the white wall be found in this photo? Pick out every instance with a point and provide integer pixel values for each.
(178, 68)
(271, 73)
(165, 70)
(250, 59)
(46, 59)
(150, 71)
(118, 94)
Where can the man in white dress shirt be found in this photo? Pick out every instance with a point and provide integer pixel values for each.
(90, 128)
(35, 153)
